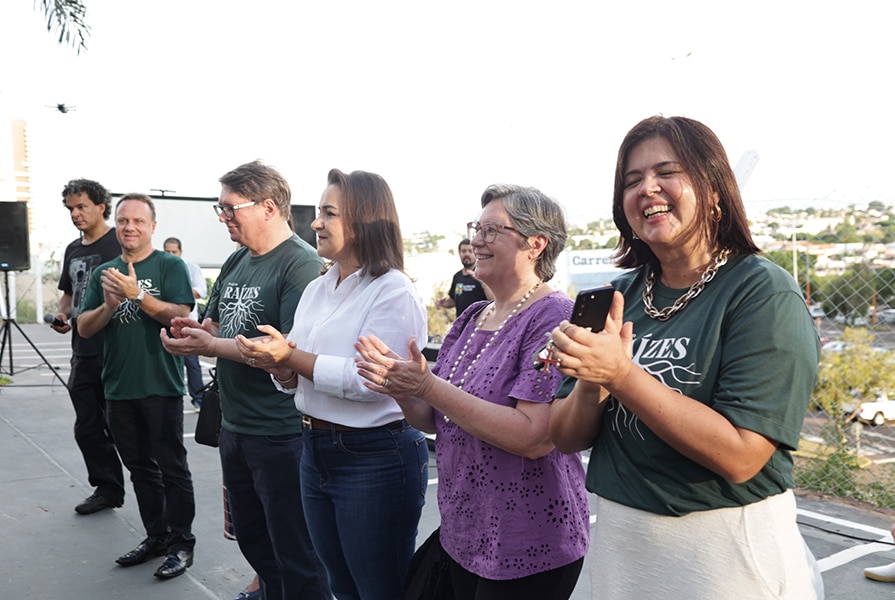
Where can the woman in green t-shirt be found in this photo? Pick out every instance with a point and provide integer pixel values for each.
(693, 395)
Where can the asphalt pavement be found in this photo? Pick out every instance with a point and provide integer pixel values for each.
(49, 552)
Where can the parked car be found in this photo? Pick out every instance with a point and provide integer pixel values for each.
(834, 346)
(816, 311)
(876, 411)
(853, 320)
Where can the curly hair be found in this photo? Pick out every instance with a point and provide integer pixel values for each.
(94, 190)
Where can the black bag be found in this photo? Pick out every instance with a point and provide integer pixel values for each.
(429, 576)
(208, 425)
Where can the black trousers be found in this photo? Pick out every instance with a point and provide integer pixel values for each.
(92, 433)
(149, 433)
(556, 584)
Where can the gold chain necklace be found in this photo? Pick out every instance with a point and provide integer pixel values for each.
(669, 311)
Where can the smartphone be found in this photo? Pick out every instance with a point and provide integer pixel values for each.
(592, 307)
(590, 310)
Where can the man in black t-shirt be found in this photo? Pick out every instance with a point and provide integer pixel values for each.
(465, 288)
(88, 203)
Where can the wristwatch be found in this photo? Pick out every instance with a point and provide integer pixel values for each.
(138, 299)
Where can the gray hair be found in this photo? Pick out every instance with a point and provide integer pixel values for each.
(533, 213)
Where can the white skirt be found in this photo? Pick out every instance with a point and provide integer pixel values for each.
(748, 552)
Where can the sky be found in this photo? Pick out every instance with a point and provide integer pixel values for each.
(443, 99)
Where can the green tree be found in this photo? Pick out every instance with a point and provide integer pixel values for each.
(851, 376)
(438, 319)
(67, 18)
(852, 293)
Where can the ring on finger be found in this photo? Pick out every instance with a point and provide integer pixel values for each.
(385, 382)
(252, 361)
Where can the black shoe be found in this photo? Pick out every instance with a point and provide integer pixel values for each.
(95, 503)
(144, 551)
(175, 564)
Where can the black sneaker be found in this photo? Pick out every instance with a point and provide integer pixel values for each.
(95, 503)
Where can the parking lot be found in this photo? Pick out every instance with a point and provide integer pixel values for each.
(51, 553)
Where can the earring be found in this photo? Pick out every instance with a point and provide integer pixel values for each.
(635, 236)
(716, 213)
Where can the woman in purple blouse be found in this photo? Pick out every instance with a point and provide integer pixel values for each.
(514, 511)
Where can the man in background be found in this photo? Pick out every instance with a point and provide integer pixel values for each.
(88, 204)
(131, 298)
(194, 383)
(465, 288)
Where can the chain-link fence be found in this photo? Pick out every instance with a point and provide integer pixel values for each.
(844, 262)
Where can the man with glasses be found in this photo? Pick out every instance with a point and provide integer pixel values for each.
(260, 443)
(465, 287)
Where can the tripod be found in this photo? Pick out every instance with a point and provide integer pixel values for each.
(6, 338)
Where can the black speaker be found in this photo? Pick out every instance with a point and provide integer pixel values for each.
(302, 215)
(14, 252)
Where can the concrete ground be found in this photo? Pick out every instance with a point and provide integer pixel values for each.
(49, 552)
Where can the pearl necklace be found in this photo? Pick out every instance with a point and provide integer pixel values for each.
(487, 345)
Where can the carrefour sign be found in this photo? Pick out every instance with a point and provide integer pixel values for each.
(588, 261)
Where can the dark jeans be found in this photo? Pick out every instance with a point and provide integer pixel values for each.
(92, 433)
(261, 474)
(150, 439)
(193, 376)
(556, 584)
(363, 493)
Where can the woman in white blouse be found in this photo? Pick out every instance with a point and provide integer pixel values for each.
(363, 468)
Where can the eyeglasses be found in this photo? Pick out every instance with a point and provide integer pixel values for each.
(228, 212)
(489, 231)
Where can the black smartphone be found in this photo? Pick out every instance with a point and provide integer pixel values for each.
(592, 307)
(590, 310)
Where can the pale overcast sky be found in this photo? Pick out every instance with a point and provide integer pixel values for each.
(443, 99)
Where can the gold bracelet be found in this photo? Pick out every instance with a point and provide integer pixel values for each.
(288, 379)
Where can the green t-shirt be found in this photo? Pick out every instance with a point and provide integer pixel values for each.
(135, 364)
(747, 347)
(252, 291)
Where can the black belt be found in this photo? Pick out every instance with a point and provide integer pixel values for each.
(320, 424)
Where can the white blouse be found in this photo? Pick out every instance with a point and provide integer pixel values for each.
(328, 321)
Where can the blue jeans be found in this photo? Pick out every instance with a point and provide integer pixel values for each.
(363, 493)
(261, 474)
(149, 435)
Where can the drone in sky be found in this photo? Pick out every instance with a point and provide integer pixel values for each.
(63, 108)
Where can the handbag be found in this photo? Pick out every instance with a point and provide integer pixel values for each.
(429, 576)
(208, 425)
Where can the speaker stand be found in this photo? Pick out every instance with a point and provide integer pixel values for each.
(6, 338)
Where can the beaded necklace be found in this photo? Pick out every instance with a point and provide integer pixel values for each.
(478, 326)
